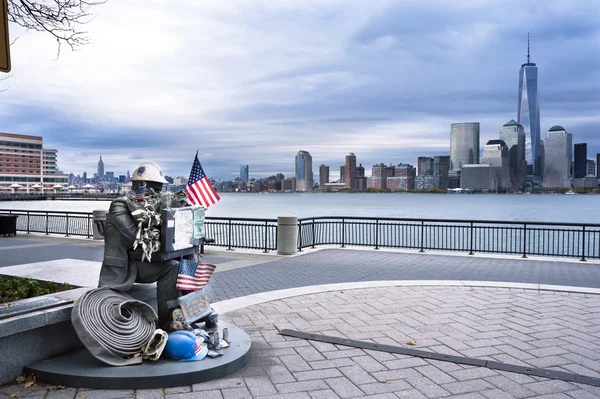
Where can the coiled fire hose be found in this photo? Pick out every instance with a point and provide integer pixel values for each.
(113, 326)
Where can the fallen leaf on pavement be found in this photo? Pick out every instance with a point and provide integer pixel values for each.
(384, 381)
(413, 342)
(28, 384)
(12, 395)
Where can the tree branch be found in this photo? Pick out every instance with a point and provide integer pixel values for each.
(63, 19)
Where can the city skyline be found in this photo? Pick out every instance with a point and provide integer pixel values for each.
(370, 81)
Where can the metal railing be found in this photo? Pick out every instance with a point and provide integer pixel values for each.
(226, 232)
(53, 222)
(574, 240)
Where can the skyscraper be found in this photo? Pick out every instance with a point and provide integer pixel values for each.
(244, 171)
(350, 171)
(528, 115)
(464, 144)
(424, 166)
(513, 135)
(304, 174)
(558, 148)
(496, 153)
(580, 162)
(100, 168)
(323, 175)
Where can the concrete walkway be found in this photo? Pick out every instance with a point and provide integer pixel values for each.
(503, 314)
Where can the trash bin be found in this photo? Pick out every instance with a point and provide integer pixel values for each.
(8, 225)
(287, 234)
(98, 223)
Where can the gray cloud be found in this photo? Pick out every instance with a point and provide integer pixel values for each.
(253, 83)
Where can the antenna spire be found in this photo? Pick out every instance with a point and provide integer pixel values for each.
(528, 47)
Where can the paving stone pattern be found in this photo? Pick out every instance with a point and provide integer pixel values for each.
(540, 329)
(342, 265)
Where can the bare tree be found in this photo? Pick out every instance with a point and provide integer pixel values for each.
(63, 19)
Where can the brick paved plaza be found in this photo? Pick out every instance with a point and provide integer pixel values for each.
(530, 327)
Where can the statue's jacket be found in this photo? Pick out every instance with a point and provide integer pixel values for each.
(120, 230)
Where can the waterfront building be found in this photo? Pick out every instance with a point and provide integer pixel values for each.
(580, 161)
(558, 149)
(427, 182)
(244, 173)
(274, 185)
(403, 178)
(528, 115)
(100, 169)
(288, 184)
(342, 173)
(178, 181)
(495, 153)
(360, 181)
(478, 177)
(323, 175)
(109, 176)
(441, 168)
(513, 135)
(464, 144)
(591, 168)
(377, 179)
(350, 171)
(27, 166)
(304, 173)
(425, 166)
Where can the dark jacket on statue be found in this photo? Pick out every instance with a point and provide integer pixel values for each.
(118, 272)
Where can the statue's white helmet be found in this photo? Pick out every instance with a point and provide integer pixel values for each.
(148, 171)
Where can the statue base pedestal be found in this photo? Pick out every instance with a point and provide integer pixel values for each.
(80, 369)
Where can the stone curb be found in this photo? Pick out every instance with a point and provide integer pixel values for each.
(230, 305)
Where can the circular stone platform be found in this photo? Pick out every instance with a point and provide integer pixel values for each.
(81, 370)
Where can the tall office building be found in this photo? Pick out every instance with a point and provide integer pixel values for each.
(342, 173)
(591, 168)
(496, 153)
(528, 115)
(100, 168)
(464, 144)
(424, 166)
(244, 173)
(323, 175)
(304, 173)
(350, 171)
(558, 147)
(580, 162)
(513, 135)
(598, 166)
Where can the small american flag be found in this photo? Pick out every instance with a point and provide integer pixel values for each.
(193, 275)
(199, 190)
(139, 193)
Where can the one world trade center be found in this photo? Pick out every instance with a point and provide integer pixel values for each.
(529, 115)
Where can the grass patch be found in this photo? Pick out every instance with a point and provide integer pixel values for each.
(17, 288)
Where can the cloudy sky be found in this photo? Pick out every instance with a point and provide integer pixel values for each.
(254, 82)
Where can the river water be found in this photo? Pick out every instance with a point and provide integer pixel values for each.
(579, 208)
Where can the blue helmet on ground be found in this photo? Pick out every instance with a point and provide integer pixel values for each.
(185, 346)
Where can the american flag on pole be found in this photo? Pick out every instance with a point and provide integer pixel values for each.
(193, 275)
(199, 190)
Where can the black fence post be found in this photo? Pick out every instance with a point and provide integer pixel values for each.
(28, 232)
(67, 225)
(229, 237)
(343, 233)
(422, 236)
(266, 238)
(299, 235)
(376, 233)
(89, 222)
(47, 221)
(524, 240)
(313, 234)
(471, 244)
(583, 245)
